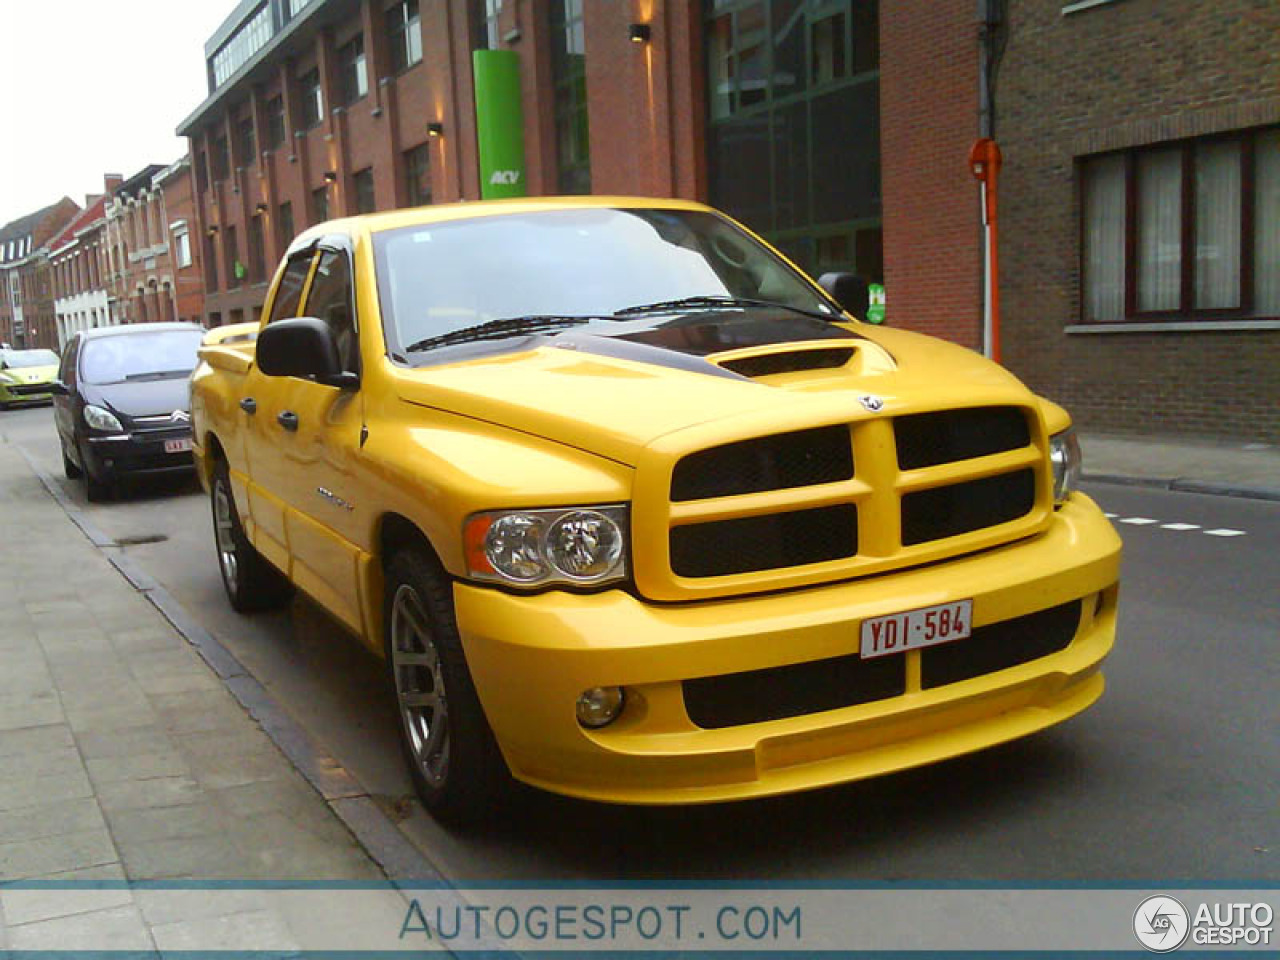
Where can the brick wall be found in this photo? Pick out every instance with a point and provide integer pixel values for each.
(1131, 73)
(928, 122)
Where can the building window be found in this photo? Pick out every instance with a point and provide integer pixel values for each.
(275, 122)
(257, 251)
(221, 160)
(210, 263)
(245, 141)
(404, 33)
(312, 98)
(320, 205)
(231, 257)
(182, 249)
(417, 172)
(284, 225)
(1190, 229)
(248, 39)
(485, 14)
(569, 73)
(363, 183)
(351, 67)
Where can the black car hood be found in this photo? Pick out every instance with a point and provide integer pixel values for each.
(140, 398)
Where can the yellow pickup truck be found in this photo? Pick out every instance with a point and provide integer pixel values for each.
(637, 512)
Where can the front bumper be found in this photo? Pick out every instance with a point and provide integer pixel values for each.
(11, 394)
(135, 453)
(531, 656)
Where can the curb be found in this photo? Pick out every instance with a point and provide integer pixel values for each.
(342, 793)
(1184, 485)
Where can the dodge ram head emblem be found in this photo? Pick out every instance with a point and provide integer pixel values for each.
(872, 402)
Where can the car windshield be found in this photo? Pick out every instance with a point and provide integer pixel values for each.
(437, 279)
(30, 358)
(157, 355)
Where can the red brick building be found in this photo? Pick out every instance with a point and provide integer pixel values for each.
(838, 129)
(78, 259)
(27, 315)
(152, 244)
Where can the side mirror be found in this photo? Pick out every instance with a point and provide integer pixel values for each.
(59, 389)
(849, 291)
(302, 347)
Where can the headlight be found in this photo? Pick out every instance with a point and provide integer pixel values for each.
(584, 546)
(100, 419)
(1064, 454)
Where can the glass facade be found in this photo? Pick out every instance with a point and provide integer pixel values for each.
(794, 133)
(251, 37)
(568, 68)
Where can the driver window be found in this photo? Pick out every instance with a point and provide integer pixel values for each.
(290, 292)
(330, 300)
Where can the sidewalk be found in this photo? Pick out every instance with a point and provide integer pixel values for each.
(123, 756)
(1233, 468)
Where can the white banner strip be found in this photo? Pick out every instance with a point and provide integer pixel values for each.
(519, 919)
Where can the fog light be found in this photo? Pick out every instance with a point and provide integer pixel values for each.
(600, 706)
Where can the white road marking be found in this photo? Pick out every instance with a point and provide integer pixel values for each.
(1110, 516)
(1179, 526)
(1225, 532)
(1139, 521)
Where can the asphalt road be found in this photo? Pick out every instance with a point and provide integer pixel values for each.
(1174, 774)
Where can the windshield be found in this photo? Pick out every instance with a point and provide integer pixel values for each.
(30, 358)
(140, 356)
(591, 262)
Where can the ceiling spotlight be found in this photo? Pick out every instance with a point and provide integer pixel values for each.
(639, 32)
(261, 208)
(213, 228)
(330, 176)
(435, 129)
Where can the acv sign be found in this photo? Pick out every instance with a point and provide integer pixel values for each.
(507, 177)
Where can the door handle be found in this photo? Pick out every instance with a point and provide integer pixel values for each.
(287, 419)
(249, 405)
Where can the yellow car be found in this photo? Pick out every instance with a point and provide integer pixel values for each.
(638, 512)
(26, 376)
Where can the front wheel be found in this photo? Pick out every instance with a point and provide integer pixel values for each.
(453, 758)
(250, 581)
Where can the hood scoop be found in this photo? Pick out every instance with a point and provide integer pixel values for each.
(786, 361)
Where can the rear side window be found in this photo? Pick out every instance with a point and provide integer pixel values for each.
(290, 293)
(67, 373)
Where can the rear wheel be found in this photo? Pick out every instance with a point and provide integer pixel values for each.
(453, 758)
(250, 581)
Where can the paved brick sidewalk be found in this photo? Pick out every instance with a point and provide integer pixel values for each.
(123, 756)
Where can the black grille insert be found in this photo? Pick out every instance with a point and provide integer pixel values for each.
(793, 690)
(928, 439)
(789, 362)
(999, 646)
(962, 507)
(746, 544)
(802, 458)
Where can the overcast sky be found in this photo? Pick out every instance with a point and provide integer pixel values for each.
(92, 87)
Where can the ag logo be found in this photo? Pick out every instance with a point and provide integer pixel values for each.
(1161, 924)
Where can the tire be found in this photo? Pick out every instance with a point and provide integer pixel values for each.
(454, 761)
(70, 469)
(250, 581)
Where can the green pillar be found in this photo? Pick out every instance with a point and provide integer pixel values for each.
(499, 124)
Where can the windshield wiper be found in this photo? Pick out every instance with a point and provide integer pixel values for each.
(157, 374)
(710, 302)
(498, 329)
